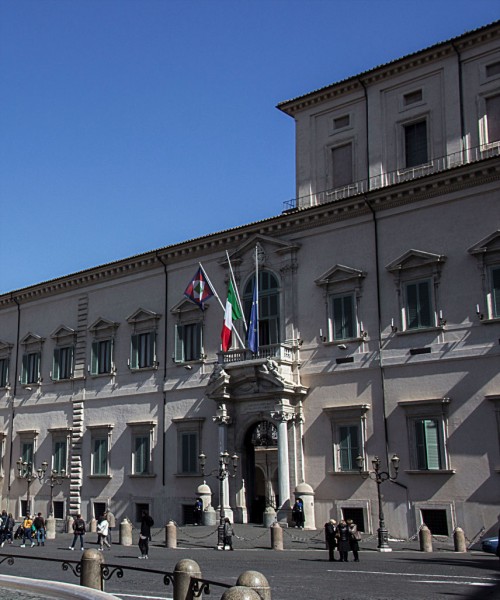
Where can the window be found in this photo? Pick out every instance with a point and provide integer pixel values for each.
(493, 69)
(100, 447)
(188, 445)
(3, 438)
(188, 342)
(341, 122)
(31, 361)
(415, 144)
(269, 307)
(418, 309)
(27, 451)
(142, 440)
(343, 289)
(427, 428)
(493, 119)
(487, 252)
(58, 509)
(60, 444)
(417, 275)
(27, 446)
(348, 425)
(4, 372)
(412, 97)
(62, 367)
(102, 350)
(342, 171)
(143, 339)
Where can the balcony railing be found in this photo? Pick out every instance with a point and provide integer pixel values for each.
(282, 353)
(383, 180)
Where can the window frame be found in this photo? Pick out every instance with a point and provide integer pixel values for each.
(343, 416)
(405, 126)
(5, 354)
(142, 429)
(143, 323)
(435, 409)
(102, 433)
(188, 334)
(270, 324)
(60, 435)
(487, 252)
(28, 438)
(103, 332)
(188, 426)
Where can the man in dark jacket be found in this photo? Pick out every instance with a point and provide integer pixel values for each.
(330, 538)
(145, 535)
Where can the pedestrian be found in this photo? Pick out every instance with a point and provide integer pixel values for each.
(27, 532)
(298, 513)
(110, 518)
(78, 531)
(8, 530)
(145, 533)
(3, 527)
(39, 525)
(228, 534)
(331, 538)
(343, 541)
(102, 533)
(197, 511)
(354, 537)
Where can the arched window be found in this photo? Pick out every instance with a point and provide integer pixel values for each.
(269, 307)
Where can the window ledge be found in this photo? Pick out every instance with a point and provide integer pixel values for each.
(100, 476)
(420, 330)
(431, 471)
(142, 475)
(183, 363)
(346, 341)
(97, 375)
(140, 369)
(487, 321)
(188, 474)
(343, 473)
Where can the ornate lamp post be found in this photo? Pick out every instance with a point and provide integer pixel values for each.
(379, 477)
(56, 478)
(221, 474)
(25, 471)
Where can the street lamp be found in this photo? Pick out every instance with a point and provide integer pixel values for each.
(221, 473)
(379, 477)
(25, 471)
(56, 478)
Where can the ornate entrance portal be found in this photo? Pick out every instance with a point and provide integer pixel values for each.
(261, 472)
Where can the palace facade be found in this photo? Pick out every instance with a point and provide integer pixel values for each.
(379, 326)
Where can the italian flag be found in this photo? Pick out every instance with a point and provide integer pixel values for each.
(231, 313)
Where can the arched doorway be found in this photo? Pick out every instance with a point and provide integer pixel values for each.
(261, 469)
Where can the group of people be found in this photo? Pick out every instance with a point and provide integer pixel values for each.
(344, 537)
(105, 525)
(32, 530)
(7, 523)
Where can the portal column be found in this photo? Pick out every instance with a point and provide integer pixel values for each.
(283, 413)
(223, 419)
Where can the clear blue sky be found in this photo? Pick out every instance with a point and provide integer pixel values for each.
(129, 125)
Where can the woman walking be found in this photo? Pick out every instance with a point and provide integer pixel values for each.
(102, 533)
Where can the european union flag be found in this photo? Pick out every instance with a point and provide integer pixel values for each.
(253, 326)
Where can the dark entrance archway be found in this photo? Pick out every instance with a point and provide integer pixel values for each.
(260, 470)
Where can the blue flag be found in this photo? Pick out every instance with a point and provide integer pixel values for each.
(253, 326)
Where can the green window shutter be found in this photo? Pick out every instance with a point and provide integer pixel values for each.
(134, 352)
(424, 297)
(179, 343)
(56, 364)
(411, 306)
(495, 292)
(427, 442)
(94, 362)
(189, 451)
(24, 369)
(111, 356)
(152, 348)
(348, 447)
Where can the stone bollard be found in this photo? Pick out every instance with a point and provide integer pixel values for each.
(90, 574)
(425, 537)
(240, 592)
(257, 582)
(68, 528)
(459, 540)
(93, 525)
(209, 517)
(50, 528)
(126, 532)
(184, 570)
(269, 516)
(276, 536)
(170, 535)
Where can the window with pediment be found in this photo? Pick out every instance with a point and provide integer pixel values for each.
(342, 290)
(143, 339)
(188, 332)
(487, 252)
(64, 353)
(102, 359)
(5, 353)
(269, 306)
(417, 275)
(31, 373)
(348, 424)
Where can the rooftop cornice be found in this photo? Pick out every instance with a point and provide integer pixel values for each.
(391, 69)
(287, 224)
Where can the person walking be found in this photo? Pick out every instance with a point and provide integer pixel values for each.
(110, 518)
(11, 523)
(27, 532)
(343, 541)
(39, 524)
(145, 533)
(228, 534)
(331, 538)
(354, 537)
(79, 530)
(102, 533)
(3, 527)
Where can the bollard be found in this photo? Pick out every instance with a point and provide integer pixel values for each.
(126, 532)
(459, 540)
(93, 525)
(269, 516)
(425, 537)
(69, 524)
(257, 582)
(209, 517)
(240, 592)
(50, 528)
(276, 537)
(184, 570)
(90, 574)
(170, 535)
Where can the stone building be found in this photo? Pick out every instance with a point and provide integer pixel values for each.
(379, 300)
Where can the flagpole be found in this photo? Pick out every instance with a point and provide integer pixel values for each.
(236, 290)
(220, 302)
(257, 294)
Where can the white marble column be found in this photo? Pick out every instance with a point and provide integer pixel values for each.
(283, 413)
